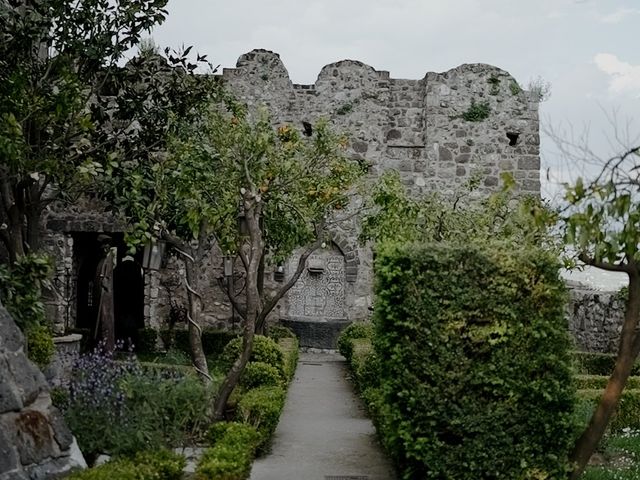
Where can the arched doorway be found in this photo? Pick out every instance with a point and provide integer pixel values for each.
(128, 288)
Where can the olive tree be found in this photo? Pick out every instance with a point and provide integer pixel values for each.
(602, 227)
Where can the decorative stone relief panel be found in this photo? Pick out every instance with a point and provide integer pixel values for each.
(319, 294)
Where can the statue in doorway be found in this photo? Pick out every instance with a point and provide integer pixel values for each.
(105, 321)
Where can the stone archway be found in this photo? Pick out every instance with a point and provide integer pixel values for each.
(316, 306)
(320, 295)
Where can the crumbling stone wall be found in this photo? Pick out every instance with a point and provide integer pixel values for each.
(34, 440)
(413, 126)
(595, 319)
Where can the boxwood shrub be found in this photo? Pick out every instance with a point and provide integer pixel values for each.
(265, 350)
(230, 457)
(289, 347)
(627, 414)
(261, 408)
(475, 368)
(278, 332)
(350, 332)
(260, 374)
(595, 382)
(593, 363)
(158, 464)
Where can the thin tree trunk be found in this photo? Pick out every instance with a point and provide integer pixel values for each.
(256, 243)
(195, 330)
(627, 353)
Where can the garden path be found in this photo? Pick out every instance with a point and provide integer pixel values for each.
(323, 432)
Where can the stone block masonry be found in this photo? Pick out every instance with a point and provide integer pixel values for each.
(415, 126)
(422, 128)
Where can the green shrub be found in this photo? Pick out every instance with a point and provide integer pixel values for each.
(213, 340)
(146, 340)
(260, 374)
(477, 112)
(351, 331)
(627, 413)
(289, 347)
(238, 432)
(278, 332)
(59, 398)
(234, 446)
(265, 350)
(475, 377)
(592, 363)
(117, 407)
(364, 364)
(595, 382)
(20, 289)
(40, 346)
(157, 465)
(261, 408)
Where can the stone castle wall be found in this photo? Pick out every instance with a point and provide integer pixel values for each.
(412, 126)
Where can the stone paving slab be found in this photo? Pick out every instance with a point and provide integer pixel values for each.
(323, 432)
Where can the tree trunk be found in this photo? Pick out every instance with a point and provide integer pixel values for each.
(627, 354)
(33, 214)
(256, 244)
(198, 357)
(15, 234)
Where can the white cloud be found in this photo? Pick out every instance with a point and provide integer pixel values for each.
(619, 15)
(624, 77)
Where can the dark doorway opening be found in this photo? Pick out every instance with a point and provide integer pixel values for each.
(128, 288)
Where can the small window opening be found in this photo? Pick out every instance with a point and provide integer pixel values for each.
(513, 138)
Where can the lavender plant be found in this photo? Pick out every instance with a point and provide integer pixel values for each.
(117, 407)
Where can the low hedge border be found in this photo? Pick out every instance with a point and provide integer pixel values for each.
(592, 363)
(213, 340)
(595, 382)
(627, 414)
(257, 411)
(289, 347)
(351, 332)
(230, 457)
(158, 465)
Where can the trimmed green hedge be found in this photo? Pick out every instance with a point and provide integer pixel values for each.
(289, 347)
(592, 363)
(260, 374)
(234, 445)
(350, 332)
(213, 340)
(595, 382)
(627, 413)
(265, 350)
(475, 368)
(278, 332)
(158, 465)
(261, 408)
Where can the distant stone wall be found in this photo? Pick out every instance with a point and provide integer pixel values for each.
(35, 443)
(595, 319)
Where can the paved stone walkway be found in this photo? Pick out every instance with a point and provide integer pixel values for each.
(323, 432)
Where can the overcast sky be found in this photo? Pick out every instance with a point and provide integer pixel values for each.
(586, 49)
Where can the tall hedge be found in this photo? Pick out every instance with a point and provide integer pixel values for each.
(474, 357)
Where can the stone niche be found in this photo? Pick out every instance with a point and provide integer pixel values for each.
(35, 443)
